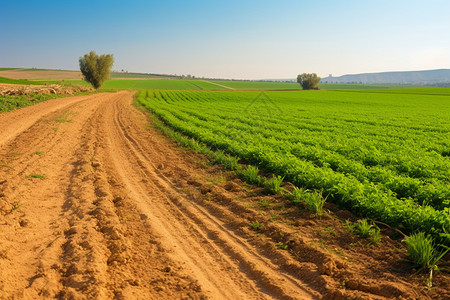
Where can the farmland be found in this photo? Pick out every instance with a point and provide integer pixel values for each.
(258, 84)
(357, 148)
(170, 84)
(166, 82)
(381, 155)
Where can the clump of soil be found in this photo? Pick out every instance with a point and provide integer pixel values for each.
(18, 89)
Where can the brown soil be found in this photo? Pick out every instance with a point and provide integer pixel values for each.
(97, 204)
(43, 75)
(19, 89)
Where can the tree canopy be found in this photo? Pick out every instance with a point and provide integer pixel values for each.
(95, 68)
(309, 81)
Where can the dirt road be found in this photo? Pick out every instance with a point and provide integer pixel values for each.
(92, 207)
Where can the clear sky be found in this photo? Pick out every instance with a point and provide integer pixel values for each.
(229, 39)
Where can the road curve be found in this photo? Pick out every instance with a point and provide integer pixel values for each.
(92, 205)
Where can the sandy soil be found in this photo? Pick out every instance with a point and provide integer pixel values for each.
(95, 203)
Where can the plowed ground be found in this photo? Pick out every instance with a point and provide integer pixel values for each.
(95, 203)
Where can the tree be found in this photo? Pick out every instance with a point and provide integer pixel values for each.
(309, 81)
(96, 69)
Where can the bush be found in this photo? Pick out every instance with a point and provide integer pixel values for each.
(96, 69)
(309, 81)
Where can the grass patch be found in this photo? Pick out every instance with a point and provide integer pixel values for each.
(64, 118)
(250, 175)
(273, 185)
(16, 205)
(5, 165)
(14, 154)
(282, 246)
(314, 202)
(366, 229)
(256, 225)
(8, 103)
(264, 203)
(40, 176)
(422, 252)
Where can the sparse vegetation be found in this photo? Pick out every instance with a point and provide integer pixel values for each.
(40, 176)
(64, 118)
(16, 205)
(256, 225)
(264, 203)
(366, 229)
(5, 165)
(14, 153)
(282, 246)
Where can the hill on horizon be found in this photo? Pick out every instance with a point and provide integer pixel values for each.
(427, 77)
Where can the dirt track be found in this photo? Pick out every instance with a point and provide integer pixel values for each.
(97, 204)
(105, 222)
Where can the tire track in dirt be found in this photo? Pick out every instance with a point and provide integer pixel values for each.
(221, 249)
(32, 227)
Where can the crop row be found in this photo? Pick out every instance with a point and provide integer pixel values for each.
(390, 184)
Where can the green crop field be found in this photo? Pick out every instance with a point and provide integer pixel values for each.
(175, 84)
(115, 75)
(20, 81)
(351, 86)
(8, 103)
(155, 81)
(416, 91)
(383, 156)
(7, 69)
(257, 85)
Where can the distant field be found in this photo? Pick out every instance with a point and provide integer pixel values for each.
(36, 74)
(117, 75)
(7, 69)
(121, 80)
(20, 81)
(350, 86)
(182, 84)
(175, 84)
(257, 85)
(207, 85)
(383, 156)
(262, 85)
(409, 90)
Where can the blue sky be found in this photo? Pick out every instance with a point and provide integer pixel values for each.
(229, 39)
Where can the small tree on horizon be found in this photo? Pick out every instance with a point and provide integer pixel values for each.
(96, 69)
(309, 81)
